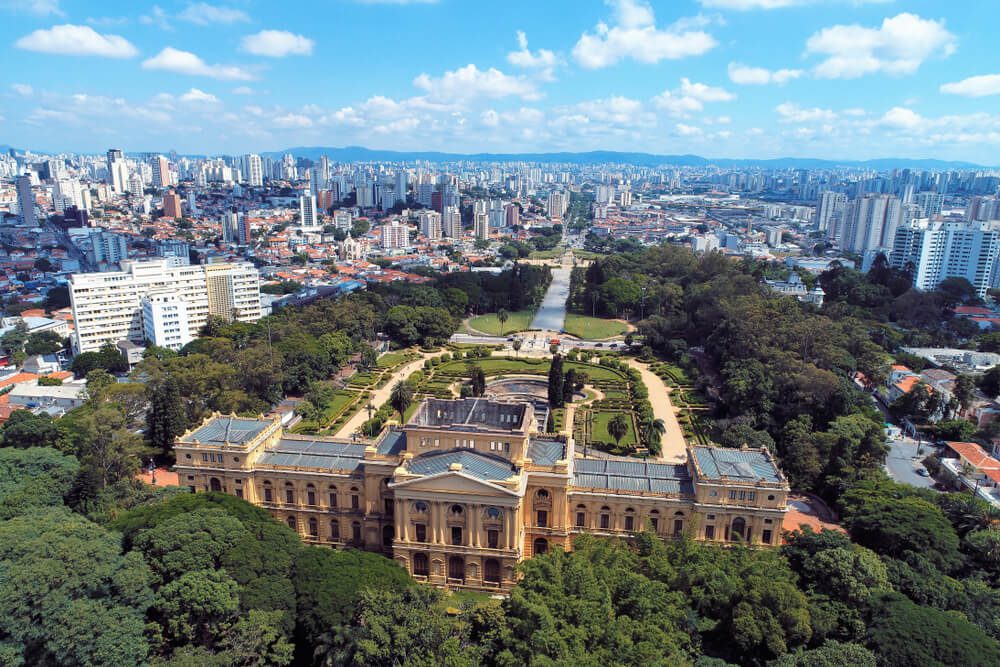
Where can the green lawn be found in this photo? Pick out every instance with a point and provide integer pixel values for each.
(546, 254)
(600, 433)
(593, 328)
(489, 324)
(393, 359)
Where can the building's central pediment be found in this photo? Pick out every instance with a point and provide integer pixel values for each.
(453, 482)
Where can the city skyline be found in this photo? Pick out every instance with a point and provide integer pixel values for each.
(849, 80)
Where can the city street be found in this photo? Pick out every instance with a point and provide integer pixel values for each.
(902, 462)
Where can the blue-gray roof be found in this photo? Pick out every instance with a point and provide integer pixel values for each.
(233, 430)
(639, 476)
(314, 454)
(482, 466)
(744, 465)
(546, 452)
(392, 444)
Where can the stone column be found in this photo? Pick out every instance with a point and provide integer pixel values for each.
(474, 520)
(403, 520)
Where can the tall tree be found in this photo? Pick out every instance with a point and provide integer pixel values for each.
(401, 398)
(502, 317)
(166, 418)
(556, 380)
(618, 428)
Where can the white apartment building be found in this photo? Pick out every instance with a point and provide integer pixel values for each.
(451, 222)
(430, 224)
(830, 213)
(307, 211)
(870, 224)
(395, 235)
(107, 307)
(165, 320)
(26, 201)
(939, 250)
(255, 170)
(558, 203)
(482, 226)
(342, 220)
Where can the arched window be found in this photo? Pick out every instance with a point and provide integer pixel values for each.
(456, 568)
(388, 535)
(581, 516)
(313, 527)
(605, 517)
(491, 571)
(541, 494)
(355, 498)
(292, 523)
(289, 493)
(629, 519)
(214, 484)
(356, 531)
(737, 530)
(456, 510)
(540, 546)
(310, 494)
(420, 507)
(493, 514)
(334, 530)
(268, 492)
(654, 520)
(332, 493)
(421, 566)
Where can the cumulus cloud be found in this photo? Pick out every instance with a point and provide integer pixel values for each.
(22, 89)
(744, 5)
(277, 44)
(242, 90)
(790, 112)
(745, 75)
(901, 118)
(470, 82)
(76, 40)
(690, 97)
(543, 59)
(36, 7)
(687, 130)
(634, 35)
(899, 46)
(198, 96)
(974, 86)
(185, 62)
(201, 13)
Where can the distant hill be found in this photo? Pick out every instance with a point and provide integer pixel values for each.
(362, 154)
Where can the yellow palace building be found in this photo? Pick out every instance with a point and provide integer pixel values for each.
(468, 488)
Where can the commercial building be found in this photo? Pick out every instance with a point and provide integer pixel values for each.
(938, 250)
(468, 488)
(165, 321)
(107, 307)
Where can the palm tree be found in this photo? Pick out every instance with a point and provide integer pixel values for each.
(502, 317)
(652, 432)
(401, 397)
(618, 428)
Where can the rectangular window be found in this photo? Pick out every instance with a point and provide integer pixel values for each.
(493, 539)
(709, 532)
(268, 495)
(630, 523)
(355, 502)
(420, 532)
(743, 495)
(581, 519)
(333, 500)
(334, 530)
(456, 535)
(751, 496)
(311, 497)
(239, 493)
(204, 457)
(389, 505)
(542, 518)
(289, 496)
(732, 495)
(765, 536)
(655, 523)
(605, 521)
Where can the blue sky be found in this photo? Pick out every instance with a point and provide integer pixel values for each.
(850, 79)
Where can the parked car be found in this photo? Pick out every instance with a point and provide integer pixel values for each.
(923, 472)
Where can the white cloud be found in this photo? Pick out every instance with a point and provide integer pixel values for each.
(899, 46)
(690, 97)
(687, 130)
(22, 89)
(185, 62)
(201, 13)
(396, 2)
(490, 118)
(36, 7)
(198, 96)
(542, 59)
(974, 86)
(277, 44)
(757, 76)
(745, 5)
(243, 90)
(293, 120)
(156, 17)
(635, 35)
(901, 118)
(76, 40)
(470, 81)
(793, 113)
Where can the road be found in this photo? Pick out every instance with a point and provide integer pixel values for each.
(552, 313)
(902, 463)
